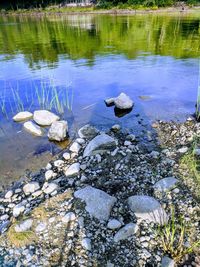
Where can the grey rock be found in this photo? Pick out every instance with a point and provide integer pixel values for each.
(114, 224)
(123, 102)
(24, 226)
(125, 232)
(49, 188)
(70, 216)
(147, 208)
(87, 132)
(165, 184)
(4, 226)
(86, 244)
(44, 117)
(73, 170)
(98, 203)
(18, 209)
(167, 262)
(9, 194)
(58, 131)
(32, 128)
(31, 188)
(99, 143)
(75, 147)
(183, 150)
(41, 227)
(23, 116)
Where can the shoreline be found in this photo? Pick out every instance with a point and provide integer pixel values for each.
(114, 11)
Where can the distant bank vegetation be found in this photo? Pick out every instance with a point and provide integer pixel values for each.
(26, 4)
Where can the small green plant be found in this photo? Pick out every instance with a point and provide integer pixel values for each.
(175, 238)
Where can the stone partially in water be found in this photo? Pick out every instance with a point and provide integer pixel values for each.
(87, 132)
(44, 117)
(99, 143)
(33, 128)
(123, 102)
(147, 208)
(58, 131)
(23, 116)
(98, 203)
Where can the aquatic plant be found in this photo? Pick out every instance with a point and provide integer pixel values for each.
(175, 237)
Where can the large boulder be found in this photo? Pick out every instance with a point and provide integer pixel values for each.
(165, 184)
(99, 143)
(32, 128)
(98, 203)
(44, 117)
(147, 208)
(23, 116)
(125, 232)
(87, 132)
(58, 131)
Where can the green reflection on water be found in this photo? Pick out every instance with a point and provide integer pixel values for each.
(44, 39)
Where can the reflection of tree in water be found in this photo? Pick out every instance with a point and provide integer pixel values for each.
(45, 39)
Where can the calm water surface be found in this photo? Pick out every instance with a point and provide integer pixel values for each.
(85, 59)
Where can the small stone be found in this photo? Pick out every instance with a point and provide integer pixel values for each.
(31, 188)
(86, 243)
(70, 216)
(116, 128)
(127, 143)
(66, 156)
(18, 209)
(24, 226)
(49, 175)
(48, 167)
(167, 262)
(87, 132)
(165, 184)
(125, 232)
(41, 227)
(110, 101)
(33, 128)
(73, 170)
(123, 102)
(183, 150)
(50, 188)
(9, 194)
(75, 147)
(114, 224)
(58, 131)
(81, 141)
(23, 116)
(59, 163)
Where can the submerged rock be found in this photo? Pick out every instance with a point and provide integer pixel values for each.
(44, 117)
(99, 143)
(23, 116)
(165, 184)
(125, 232)
(58, 131)
(98, 203)
(31, 127)
(87, 132)
(147, 208)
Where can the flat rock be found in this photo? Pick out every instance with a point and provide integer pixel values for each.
(58, 131)
(87, 132)
(23, 116)
(73, 170)
(98, 203)
(167, 262)
(31, 188)
(125, 232)
(32, 128)
(24, 226)
(44, 117)
(41, 227)
(49, 188)
(165, 184)
(123, 102)
(147, 208)
(114, 224)
(99, 143)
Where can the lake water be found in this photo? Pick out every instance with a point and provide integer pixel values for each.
(83, 59)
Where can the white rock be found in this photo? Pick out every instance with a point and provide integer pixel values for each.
(87, 132)
(66, 156)
(31, 188)
(123, 102)
(197, 151)
(4, 217)
(58, 131)
(81, 141)
(98, 203)
(33, 128)
(44, 117)
(58, 163)
(165, 184)
(9, 194)
(48, 167)
(110, 101)
(147, 208)
(114, 224)
(49, 175)
(75, 147)
(125, 232)
(18, 209)
(23, 116)
(41, 227)
(183, 150)
(24, 226)
(167, 262)
(86, 243)
(50, 188)
(73, 170)
(116, 128)
(70, 216)
(99, 143)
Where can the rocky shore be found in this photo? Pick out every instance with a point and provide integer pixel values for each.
(104, 202)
